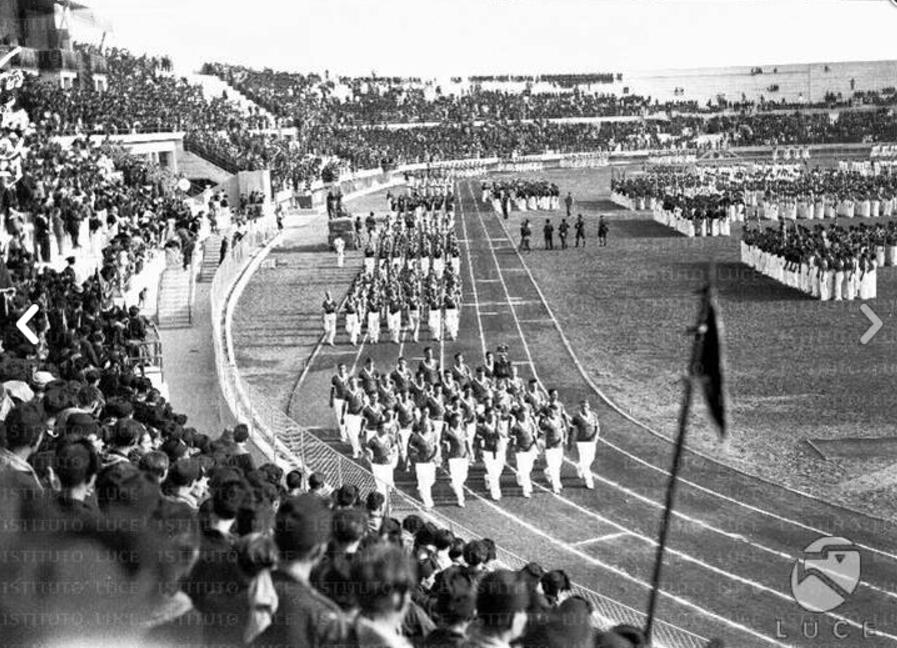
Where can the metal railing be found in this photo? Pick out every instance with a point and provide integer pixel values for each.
(288, 444)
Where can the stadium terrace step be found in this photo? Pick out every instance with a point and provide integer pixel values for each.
(175, 294)
(213, 87)
(211, 252)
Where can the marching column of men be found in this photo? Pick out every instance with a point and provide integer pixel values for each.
(455, 417)
(412, 262)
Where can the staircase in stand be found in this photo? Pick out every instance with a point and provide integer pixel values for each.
(175, 298)
(211, 252)
(213, 87)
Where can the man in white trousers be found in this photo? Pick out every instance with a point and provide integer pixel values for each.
(454, 439)
(422, 453)
(489, 444)
(523, 439)
(374, 319)
(329, 307)
(552, 429)
(406, 415)
(352, 410)
(382, 452)
(394, 318)
(586, 429)
(353, 323)
(340, 246)
(339, 385)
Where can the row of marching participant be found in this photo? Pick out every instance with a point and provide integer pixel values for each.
(458, 416)
(416, 266)
(432, 195)
(521, 195)
(830, 264)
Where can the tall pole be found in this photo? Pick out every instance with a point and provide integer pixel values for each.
(691, 376)
(668, 509)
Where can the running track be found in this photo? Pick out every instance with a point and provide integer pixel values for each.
(734, 538)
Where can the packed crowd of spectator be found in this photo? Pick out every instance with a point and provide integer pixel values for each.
(327, 122)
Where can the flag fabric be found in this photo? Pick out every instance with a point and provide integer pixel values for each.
(708, 360)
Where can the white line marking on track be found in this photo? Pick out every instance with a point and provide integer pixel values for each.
(609, 536)
(663, 471)
(473, 283)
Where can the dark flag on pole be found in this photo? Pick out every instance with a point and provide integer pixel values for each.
(706, 368)
(709, 359)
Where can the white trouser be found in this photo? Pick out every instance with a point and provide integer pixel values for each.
(404, 435)
(383, 476)
(554, 457)
(353, 433)
(494, 464)
(435, 323)
(525, 462)
(394, 324)
(338, 404)
(414, 324)
(352, 327)
(340, 258)
(586, 451)
(452, 322)
(458, 473)
(374, 326)
(330, 326)
(426, 477)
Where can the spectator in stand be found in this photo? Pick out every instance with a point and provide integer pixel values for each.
(304, 617)
(384, 578)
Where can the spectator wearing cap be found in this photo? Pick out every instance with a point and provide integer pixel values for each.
(24, 432)
(304, 616)
(182, 479)
(454, 610)
(384, 577)
(502, 600)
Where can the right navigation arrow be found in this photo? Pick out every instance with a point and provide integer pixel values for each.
(873, 329)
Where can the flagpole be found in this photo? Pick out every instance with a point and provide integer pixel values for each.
(668, 508)
(677, 464)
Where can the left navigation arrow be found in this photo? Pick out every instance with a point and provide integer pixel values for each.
(22, 324)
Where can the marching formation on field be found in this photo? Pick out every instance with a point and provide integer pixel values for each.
(422, 419)
(521, 195)
(835, 263)
(412, 262)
